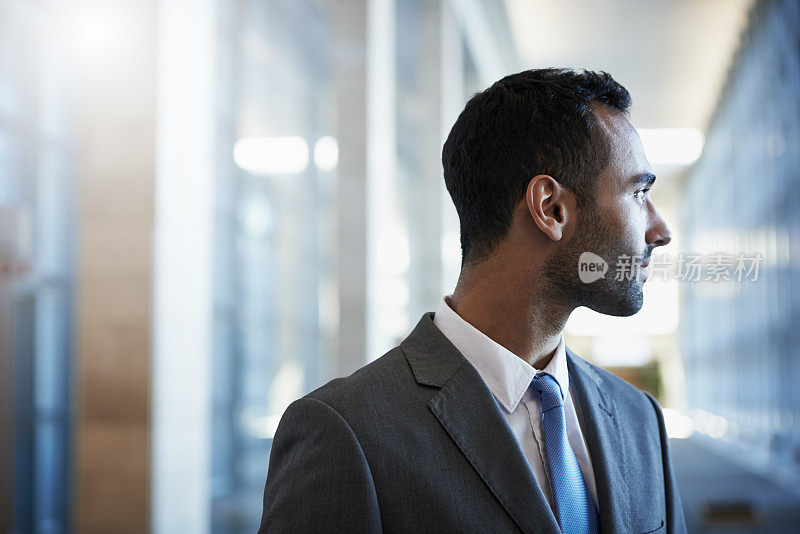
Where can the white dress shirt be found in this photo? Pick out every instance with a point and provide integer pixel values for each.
(508, 377)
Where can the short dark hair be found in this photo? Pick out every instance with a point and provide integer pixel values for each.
(534, 122)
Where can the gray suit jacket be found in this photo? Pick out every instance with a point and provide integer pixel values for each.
(415, 442)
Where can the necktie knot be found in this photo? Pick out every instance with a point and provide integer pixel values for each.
(548, 390)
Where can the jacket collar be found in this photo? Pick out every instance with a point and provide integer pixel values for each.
(506, 375)
(469, 413)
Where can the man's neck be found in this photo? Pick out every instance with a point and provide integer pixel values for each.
(526, 322)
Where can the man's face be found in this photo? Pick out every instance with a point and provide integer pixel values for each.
(622, 227)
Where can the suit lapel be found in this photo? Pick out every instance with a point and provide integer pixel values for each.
(600, 427)
(468, 412)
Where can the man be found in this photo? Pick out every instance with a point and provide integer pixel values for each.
(482, 420)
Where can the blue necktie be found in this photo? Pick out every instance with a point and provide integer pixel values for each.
(574, 506)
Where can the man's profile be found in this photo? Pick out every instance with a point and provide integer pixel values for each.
(482, 420)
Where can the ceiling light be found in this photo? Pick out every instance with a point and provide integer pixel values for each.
(271, 155)
(326, 153)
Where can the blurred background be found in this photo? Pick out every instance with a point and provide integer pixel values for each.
(209, 208)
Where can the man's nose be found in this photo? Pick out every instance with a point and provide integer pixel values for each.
(658, 234)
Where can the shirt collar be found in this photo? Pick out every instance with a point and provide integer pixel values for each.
(507, 375)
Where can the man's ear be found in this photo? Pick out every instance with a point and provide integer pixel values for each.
(548, 205)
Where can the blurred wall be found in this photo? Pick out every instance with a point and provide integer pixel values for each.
(116, 120)
(37, 268)
(739, 336)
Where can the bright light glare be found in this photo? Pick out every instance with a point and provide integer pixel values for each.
(394, 292)
(94, 32)
(98, 33)
(451, 249)
(271, 155)
(393, 254)
(632, 350)
(256, 218)
(286, 387)
(711, 424)
(326, 153)
(672, 146)
(678, 425)
(659, 314)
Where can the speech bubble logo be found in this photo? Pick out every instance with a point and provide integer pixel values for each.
(591, 267)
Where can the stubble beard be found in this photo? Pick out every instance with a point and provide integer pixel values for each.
(607, 295)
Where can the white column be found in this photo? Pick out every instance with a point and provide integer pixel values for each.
(182, 268)
(351, 88)
(387, 239)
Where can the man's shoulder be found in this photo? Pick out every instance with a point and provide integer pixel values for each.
(374, 384)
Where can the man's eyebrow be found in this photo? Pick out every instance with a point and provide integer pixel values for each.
(644, 178)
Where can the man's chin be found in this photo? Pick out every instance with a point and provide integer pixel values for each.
(620, 303)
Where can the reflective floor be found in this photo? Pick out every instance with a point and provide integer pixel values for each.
(720, 496)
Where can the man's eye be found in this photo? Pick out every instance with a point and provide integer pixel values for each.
(637, 194)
